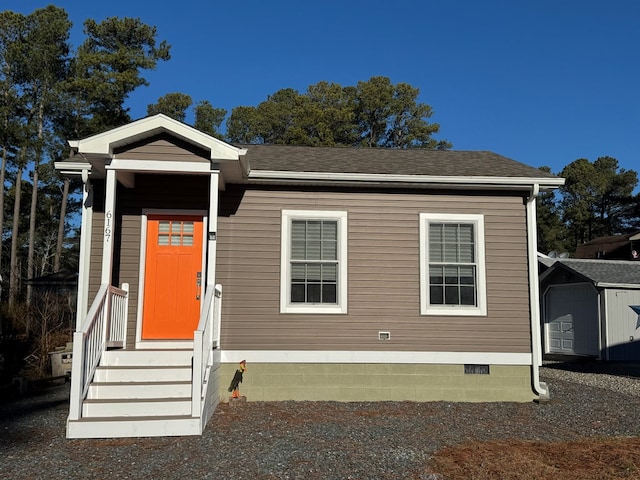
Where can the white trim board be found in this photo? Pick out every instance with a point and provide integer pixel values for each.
(373, 357)
(140, 343)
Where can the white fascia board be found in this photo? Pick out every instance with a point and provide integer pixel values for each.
(633, 286)
(375, 357)
(276, 175)
(125, 165)
(103, 143)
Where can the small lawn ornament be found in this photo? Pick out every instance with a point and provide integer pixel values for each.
(237, 380)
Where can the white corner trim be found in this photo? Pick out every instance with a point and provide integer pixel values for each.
(374, 357)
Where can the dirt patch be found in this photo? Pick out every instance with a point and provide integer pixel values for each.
(602, 459)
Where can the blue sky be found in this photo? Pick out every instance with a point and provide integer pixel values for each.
(544, 82)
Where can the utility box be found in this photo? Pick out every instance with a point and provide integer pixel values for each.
(61, 363)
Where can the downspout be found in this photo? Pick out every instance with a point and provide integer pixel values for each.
(541, 388)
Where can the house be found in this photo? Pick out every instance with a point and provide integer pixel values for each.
(592, 308)
(337, 273)
(613, 247)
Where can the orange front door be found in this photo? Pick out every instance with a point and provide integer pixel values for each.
(173, 277)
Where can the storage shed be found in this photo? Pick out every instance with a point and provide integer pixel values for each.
(592, 308)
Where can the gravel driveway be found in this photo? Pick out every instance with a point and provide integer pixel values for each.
(323, 440)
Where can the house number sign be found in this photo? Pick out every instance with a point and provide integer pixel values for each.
(107, 225)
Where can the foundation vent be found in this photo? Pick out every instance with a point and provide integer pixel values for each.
(476, 369)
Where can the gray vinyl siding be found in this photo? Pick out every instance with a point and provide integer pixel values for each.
(185, 192)
(95, 262)
(383, 274)
(162, 147)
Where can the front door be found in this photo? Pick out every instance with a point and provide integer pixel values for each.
(173, 277)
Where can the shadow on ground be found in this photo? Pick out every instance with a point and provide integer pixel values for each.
(592, 365)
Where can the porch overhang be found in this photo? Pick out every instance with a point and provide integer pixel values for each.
(97, 154)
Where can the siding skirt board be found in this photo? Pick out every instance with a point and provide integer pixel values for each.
(357, 382)
(572, 320)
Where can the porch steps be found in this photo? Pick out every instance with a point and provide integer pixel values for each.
(137, 408)
(139, 393)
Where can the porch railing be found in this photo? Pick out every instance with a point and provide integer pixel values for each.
(205, 339)
(105, 326)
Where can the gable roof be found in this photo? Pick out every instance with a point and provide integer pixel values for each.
(103, 144)
(602, 273)
(280, 162)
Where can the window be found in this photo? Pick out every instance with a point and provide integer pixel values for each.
(452, 270)
(314, 262)
(175, 233)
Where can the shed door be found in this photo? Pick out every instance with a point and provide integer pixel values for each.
(173, 277)
(572, 320)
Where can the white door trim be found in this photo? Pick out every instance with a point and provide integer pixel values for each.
(166, 344)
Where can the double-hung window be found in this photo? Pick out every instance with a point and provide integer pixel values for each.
(313, 262)
(452, 265)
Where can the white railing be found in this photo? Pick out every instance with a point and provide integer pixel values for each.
(105, 326)
(205, 339)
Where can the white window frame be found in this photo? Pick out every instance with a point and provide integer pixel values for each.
(470, 310)
(285, 264)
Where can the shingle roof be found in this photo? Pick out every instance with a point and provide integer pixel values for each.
(609, 272)
(387, 161)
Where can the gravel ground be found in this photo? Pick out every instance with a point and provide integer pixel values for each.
(319, 440)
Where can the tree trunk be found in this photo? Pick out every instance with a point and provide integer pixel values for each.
(61, 223)
(32, 229)
(34, 202)
(14, 274)
(3, 170)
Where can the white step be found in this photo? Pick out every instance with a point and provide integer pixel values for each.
(150, 407)
(151, 358)
(116, 427)
(137, 390)
(143, 373)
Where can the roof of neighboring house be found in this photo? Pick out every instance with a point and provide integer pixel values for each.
(414, 161)
(617, 246)
(602, 273)
(61, 278)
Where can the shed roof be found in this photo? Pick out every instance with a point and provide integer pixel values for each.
(602, 273)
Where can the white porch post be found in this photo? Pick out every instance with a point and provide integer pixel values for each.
(108, 231)
(82, 301)
(213, 228)
(211, 241)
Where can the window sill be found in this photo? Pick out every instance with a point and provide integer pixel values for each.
(315, 309)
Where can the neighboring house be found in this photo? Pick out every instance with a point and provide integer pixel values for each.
(614, 247)
(592, 308)
(344, 274)
(56, 297)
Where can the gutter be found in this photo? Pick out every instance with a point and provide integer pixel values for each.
(540, 388)
(331, 178)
